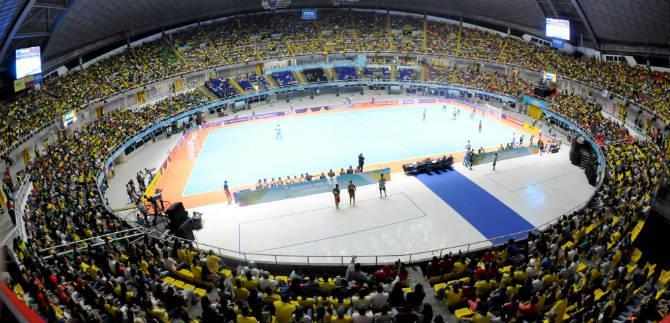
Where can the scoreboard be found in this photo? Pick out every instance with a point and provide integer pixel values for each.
(275, 4)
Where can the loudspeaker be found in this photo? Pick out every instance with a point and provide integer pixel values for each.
(591, 173)
(574, 152)
(177, 215)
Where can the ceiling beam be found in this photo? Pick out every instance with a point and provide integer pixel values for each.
(15, 27)
(586, 22)
(552, 8)
(32, 34)
(45, 5)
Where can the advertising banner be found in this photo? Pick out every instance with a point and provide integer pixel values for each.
(152, 186)
(513, 120)
(531, 127)
(534, 111)
(375, 103)
(325, 185)
(534, 101)
(283, 192)
(365, 178)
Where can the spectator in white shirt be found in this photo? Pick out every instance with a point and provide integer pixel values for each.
(362, 316)
(362, 300)
(265, 282)
(379, 298)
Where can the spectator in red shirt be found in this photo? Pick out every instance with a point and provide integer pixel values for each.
(434, 268)
(529, 309)
(447, 265)
(385, 272)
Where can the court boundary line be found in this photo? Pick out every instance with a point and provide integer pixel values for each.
(416, 206)
(212, 197)
(526, 186)
(200, 140)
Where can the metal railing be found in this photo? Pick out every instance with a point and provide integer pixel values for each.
(329, 260)
(139, 231)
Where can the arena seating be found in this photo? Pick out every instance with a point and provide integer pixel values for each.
(582, 268)
(223, 89)
(375, 73)
(284, 78)
(315, 75)
(406, 74)
(163, 58)
(346, 73)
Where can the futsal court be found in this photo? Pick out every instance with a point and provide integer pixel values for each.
(456, 209)
(319, 141)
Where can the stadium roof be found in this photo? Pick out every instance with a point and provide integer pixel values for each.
(67, 29)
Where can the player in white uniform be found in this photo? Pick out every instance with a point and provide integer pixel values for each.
(278, 133)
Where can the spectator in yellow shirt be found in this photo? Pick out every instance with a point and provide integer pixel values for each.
(245, 316)
(284, 309)
(214, 262)
(241, 293)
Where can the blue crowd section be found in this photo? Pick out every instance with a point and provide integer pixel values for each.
(491, 217)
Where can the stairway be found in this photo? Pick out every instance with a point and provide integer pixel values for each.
(416, 277)
(236, 86)
(176, 51)
(584, 161)
(270, 80)
(393, 73)
(208, 93)
(300, 77)
(218, 52)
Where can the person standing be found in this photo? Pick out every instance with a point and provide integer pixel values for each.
(278, 135)
(352, 192)
(336, 194)
(424, 114)
(225, 188)
(468, 146)
(382, 185)
(361, 161)
(495, 159)
(480, 125)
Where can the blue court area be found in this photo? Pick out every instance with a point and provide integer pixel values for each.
(482, 210)
(316, 143)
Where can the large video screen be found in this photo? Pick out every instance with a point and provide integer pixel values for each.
(28, 61)
(549, 76)
(69, 118)
(558, 28)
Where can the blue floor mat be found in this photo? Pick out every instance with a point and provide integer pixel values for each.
(482, 210)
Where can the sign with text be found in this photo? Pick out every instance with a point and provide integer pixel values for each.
(309, 14)
(557, 43)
